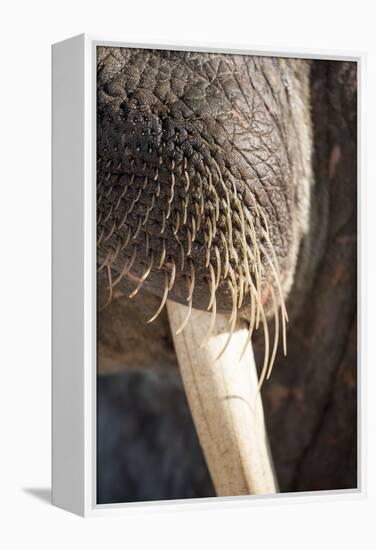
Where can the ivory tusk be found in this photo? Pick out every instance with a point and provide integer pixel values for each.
(225, 404)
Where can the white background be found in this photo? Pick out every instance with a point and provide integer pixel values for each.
(27, 30)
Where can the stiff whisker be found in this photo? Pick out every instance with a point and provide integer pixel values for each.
(111, 232)
(128, 238)
(138, 229)
(163, 254)
(163, 223)
(276, 333)
(192, 279)
(144, 276)
(127, 266)
(211, 286)
(110, 287)
(163, 301)
(218, 261)
(234, 293)
(227, 255)
(189, 245)
(173, 274)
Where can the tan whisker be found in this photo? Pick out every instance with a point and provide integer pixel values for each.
(127, 266)
(163, 255)
(144, 276)
(173, 274)
(276, 333)
(163, 223)
(128, 238)
(232, 319)
(211, 286)
(163, 301)
(227, 258)
(192, 279)
(218, 261)
(111, 232)
(138, 229)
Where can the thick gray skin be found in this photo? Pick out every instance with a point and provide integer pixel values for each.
(286, 129)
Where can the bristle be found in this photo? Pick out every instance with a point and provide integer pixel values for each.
(163, 254)
(128, 238)
(218, 260)
(192, 279)
(189, 310)
(138, 229)
(276, 333)
(127, 266)
(144, 276)
(163, 301)
(211, 286)
(173, 274)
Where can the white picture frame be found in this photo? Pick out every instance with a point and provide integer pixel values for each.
(74, 279)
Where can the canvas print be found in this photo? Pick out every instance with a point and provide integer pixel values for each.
(226, 275)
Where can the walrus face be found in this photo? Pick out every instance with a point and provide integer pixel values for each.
(203, 185)
(203, 175)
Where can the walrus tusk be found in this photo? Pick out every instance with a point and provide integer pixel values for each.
(225, 404)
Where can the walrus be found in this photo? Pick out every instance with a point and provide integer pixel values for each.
(226, 211)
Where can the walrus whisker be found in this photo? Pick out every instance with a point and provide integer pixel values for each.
(192, 279)
(173, 274)
(182, 253)
(143, 277)
(214, 224)
(187, 181)
(105, 261)
(163, 223)
(110, 287)
(234, 295)
(138, 229)
(189, 310)
(111, 232)
(193, 223)
(210, 233)
(218, 261)
(185, 210)
(241, 289)
(276, 333)
(172, 188)
(128, 238)
(168, 213)
(211, 286)
(108, 215)
(266, 348)
(227, 259)
(100, 237)
(232, 321)
(127, 266)
(198, 218)
(189, 238)
(177, 226)
(163, 301)
(163, 254)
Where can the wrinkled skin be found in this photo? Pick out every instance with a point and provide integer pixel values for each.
(279, 135)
